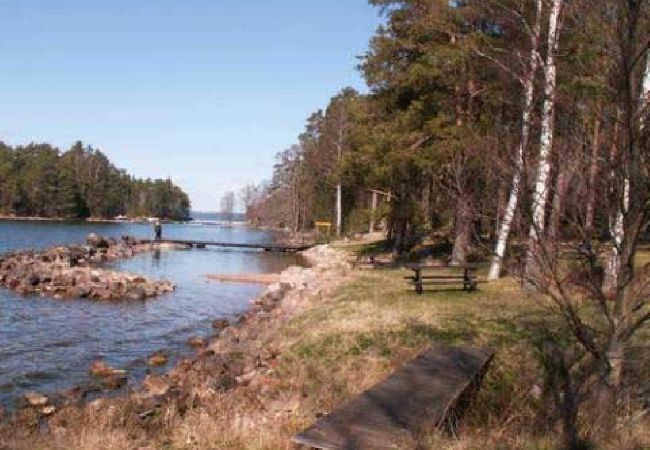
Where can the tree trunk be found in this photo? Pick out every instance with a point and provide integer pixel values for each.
(618, 229)
(464, 231)
(593, 173)
(561, 189)
(529, 90)
(540, 196)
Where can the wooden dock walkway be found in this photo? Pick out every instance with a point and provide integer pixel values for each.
(203, 244)
(429, 392)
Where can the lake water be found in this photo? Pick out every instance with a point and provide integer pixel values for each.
(47, 345)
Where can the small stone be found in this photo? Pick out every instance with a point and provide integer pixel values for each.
(245, 379)
(96, 404)
(36, 399)
(101, 369)
(157, 359)
(137, 293)
(48, 410)
(196, 342)
(156, 384)
(114, 381)
(220, 324)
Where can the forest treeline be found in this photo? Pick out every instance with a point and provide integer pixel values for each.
(39, 180)
(453, 86)
(493, 122)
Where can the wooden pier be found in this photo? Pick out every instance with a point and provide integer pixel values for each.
(278, 248)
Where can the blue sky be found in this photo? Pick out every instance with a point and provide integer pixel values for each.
(203, 91)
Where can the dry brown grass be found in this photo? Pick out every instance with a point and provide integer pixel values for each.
(342, 344)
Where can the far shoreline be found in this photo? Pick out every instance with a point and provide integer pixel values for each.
(86, 220)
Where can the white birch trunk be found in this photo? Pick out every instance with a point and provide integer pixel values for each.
(618, 230)
(529, 90)
(540, 196)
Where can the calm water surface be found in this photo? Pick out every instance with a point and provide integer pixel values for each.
(47, 344)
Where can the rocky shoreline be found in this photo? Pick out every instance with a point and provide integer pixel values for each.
(240, 355)
(74, 271)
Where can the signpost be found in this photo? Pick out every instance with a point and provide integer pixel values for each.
(375, 192)
(323, 225)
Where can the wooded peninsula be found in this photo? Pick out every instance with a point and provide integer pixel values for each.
(39, 180)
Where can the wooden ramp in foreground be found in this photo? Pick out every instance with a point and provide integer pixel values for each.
(430, 391)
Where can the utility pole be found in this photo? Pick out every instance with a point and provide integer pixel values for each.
(339, 189)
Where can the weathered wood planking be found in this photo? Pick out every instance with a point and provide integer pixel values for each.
(203, 244)
(429, 391)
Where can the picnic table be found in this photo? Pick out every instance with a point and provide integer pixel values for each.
(424, 275)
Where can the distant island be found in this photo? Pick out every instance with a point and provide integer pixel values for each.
(41, 181)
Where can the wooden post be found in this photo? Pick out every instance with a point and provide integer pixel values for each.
(372, 212)
(469, 283)
(418, 280)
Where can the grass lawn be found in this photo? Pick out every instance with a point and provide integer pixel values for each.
(373, 325)
(376, 323)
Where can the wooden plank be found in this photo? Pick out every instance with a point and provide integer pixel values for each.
(429, 391)
(446, 279)
(203, 244)
(455, 277)
(417, 266)
(449, 283)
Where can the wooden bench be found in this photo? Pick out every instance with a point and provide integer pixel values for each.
(420, 278)
(428, 393)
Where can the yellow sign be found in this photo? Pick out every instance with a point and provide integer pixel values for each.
(323, 224)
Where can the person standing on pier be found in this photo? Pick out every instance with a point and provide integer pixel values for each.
(157, 228)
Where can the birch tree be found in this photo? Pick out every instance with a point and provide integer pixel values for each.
(540, 194)
(604, 324)
(528, 84)
(618, 228)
